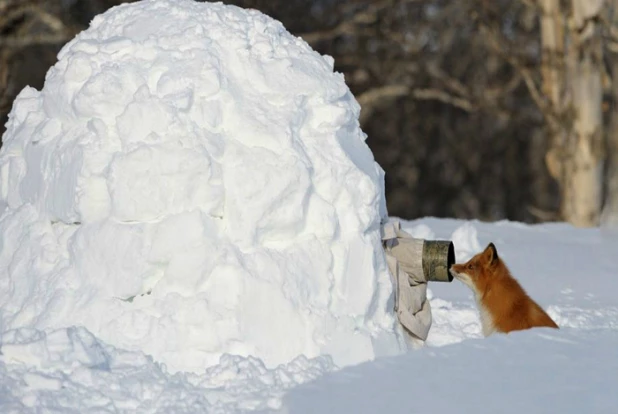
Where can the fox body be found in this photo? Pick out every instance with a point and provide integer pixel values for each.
(503, 304)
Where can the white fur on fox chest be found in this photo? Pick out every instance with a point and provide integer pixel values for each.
(487, 321)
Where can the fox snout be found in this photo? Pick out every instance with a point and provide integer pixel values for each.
(458, 272)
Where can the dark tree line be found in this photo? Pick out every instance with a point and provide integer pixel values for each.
(456, 98)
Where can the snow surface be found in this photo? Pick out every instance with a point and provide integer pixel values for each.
(191, 181)
(190, 223)
(571, 272)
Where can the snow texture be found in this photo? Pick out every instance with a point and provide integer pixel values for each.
(192, 181)
(570, 272)
(69, 370)
(190, 223)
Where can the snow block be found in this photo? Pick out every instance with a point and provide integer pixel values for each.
(192, 181)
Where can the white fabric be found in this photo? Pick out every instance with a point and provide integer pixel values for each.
(404, 259)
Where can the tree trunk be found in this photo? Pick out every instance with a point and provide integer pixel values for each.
(552, 41)
(572, 84)
(553, 72)
(582, 173)
(609, 218)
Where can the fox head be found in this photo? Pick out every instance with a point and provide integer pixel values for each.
(477, 272)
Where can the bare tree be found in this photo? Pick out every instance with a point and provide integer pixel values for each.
(572, 82)
(31, 31)
(610, 210)
(582, 178)
(448, 92)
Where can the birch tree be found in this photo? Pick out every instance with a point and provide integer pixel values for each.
(609, 216)
(572, 82)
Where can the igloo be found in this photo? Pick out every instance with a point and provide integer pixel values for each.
(192, 181)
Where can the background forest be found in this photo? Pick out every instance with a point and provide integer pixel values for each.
(488, 109)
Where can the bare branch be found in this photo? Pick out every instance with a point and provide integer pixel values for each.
(348, 26)
(381, 93)
(451, 83)
(491, 94)
(543, 215)
(444, 97)
(43, 39)
(537, 96)
(373, 97)
(5, 98)
(59, 31)
(51, 21)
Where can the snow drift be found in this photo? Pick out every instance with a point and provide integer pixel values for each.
(191, 181)
(570, 271)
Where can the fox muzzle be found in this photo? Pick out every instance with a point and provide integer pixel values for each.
(438, 257)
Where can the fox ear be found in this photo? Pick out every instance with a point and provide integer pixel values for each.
(491, 254)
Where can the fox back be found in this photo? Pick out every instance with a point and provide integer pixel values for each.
(503, 304)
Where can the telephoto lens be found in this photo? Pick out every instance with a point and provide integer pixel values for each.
(438, 257)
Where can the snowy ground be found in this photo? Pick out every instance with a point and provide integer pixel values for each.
(189, 222)
(568, 271)
(571, 272)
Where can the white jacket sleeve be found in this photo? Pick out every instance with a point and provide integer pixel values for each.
(404, 258)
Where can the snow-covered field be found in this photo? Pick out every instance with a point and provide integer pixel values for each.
(190, 222)
(569, 271)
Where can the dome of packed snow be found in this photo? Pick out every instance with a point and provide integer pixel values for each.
(192, 181)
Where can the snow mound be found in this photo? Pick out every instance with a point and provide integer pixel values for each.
(466, 240)
(69, 370)
(192, 181)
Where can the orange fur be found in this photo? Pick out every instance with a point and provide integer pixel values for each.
(504, 305)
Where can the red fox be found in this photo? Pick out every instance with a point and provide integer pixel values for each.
(503, 304)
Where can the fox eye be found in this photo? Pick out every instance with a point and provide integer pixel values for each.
(470, 266)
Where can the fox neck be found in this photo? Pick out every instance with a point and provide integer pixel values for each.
(481, 290)
(487, 320)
